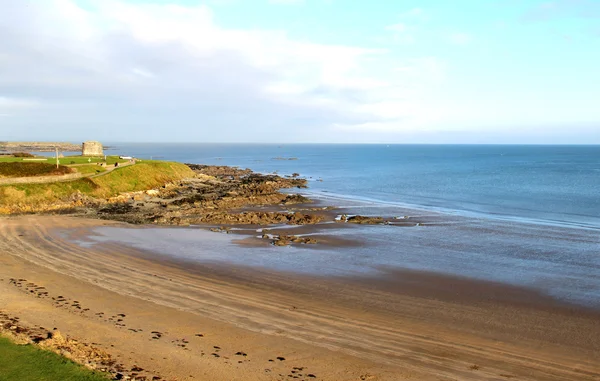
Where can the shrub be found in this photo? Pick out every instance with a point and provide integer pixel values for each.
(22, 154)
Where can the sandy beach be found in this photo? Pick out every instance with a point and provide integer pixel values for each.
(183, 321)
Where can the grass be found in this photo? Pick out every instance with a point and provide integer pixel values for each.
(141, 176)
(89, 169)
(21, 169)
(29, 363)
(67, 160)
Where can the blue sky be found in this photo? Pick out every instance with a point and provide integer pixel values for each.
(498, 71)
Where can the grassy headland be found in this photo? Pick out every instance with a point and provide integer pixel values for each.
(29, 363)
(19, 198)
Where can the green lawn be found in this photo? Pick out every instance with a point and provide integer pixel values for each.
(29, 363)
(83, 160)
(89, 169)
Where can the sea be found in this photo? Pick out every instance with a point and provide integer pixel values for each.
(525, 215)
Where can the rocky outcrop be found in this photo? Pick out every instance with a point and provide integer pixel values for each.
(365, 220)
(38, 147)
(361, 220)
(287, 240)
(217, 195)
(257, 218)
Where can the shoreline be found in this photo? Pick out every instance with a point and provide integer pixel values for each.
(400, 327)
(365, 250)
(397, 280)
(365, 202)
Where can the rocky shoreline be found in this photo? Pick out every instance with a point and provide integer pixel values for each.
(216, 195)
(221, 196)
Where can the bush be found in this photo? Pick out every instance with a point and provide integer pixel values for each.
(22, 154)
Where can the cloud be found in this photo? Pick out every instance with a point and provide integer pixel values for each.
(401, 33)
(563, 8)
(404, 31)
(145, 71)
(15, 103)
(12, 106)
(414, 13)
(399, 27)
(459, 38)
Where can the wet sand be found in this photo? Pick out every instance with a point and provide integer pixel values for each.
(221, 322)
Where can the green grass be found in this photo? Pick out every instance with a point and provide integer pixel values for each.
(89, 169)
(21, 169)
(29, 363)
(84, 160)
(144, 175)
(141, 176)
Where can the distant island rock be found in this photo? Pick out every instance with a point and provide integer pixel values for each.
(39, 146)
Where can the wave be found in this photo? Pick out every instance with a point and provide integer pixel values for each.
(337, 199)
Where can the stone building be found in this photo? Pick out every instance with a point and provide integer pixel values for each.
(92, 148)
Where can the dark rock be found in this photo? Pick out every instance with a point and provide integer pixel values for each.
(363, 220)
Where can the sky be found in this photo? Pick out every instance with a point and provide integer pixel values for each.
(301, 71)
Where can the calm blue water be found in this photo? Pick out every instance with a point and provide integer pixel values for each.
(558, 184)
(522, 215)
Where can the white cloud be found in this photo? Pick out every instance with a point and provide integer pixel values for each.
(10, 106)
(414, 13)
(459, 38)
(399, 27)
(404, 31)
(154, 66)
(16, 103)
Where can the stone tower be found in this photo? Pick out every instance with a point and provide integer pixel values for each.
(92, 148)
